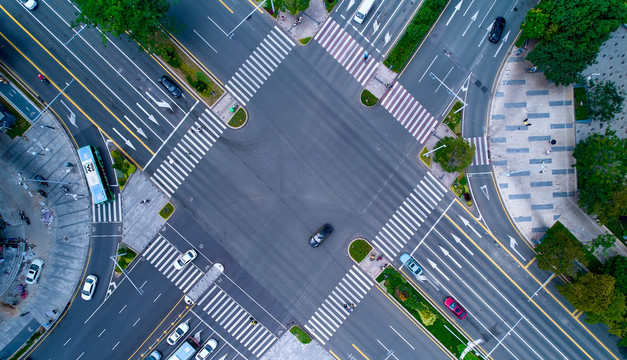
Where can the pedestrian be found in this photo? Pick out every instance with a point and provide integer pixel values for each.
(144, 201)
(526, 123)
(282, 17)
(548, 152)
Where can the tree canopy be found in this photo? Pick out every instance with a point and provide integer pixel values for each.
(614, 316)
(456, 156)
(602, 175)
(604, 101)
(590, 292)
(291, 6)
(142, 19)
(617, 267)
(570, 34)
(558, 251)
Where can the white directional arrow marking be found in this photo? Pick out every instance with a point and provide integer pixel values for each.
(433, 265)
(502, 42)
(138, 129)
(467, 223)
(485, 37)
(152, 118)
(513, 244)
(484, 189)
(447, 254)
(72, 117)
(350, 4)
(126, 141)
(459, 242)
(387, 37)
(472, 20)
(222, 358)
(457, 7)
(162, 104)
(375, 27)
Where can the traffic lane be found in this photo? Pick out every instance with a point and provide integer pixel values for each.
(203, 34)
(517, 298)
(475, 115)
(379, 324)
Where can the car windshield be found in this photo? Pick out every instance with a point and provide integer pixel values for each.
(453, 305)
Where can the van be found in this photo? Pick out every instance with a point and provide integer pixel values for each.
(363, 10)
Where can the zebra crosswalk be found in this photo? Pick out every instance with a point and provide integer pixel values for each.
(109, 212)
(161, 254)
(260, 65)
(408, 111)
(332, 313)
(409, 216)
(188, 152)
(346, 50)
(233, 318)
(482, 150)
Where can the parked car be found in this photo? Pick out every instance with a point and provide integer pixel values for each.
(42, 180)
(89, 287)
(29, 4)
(455, 308)
(184, 259)
(171, 86)
(206, 350)
(34, 271)
(411, 264)
(178, 333)
(497, 30)
(155, 355)
(318, 237)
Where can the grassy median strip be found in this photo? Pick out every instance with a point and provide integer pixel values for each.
(416, 31)
(422, 310)
(27, 345)
(126, 259)
(167, 211)
(300, 334)
(359, 249)
(125, 167)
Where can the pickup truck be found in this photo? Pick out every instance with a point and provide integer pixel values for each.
(186, 350)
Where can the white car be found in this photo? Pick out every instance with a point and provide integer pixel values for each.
(34, 271)
(185, 259)
(89, 287)
(29, 4)
(206, 350)
(178, 333)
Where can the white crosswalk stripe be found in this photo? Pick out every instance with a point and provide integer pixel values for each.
(109, 212)
(161, 254)
(482, 150)
(233, 318)
(409, 216)
(346, 50)
(332, 312)
(259, 65)
(188, 152)
(408, 111)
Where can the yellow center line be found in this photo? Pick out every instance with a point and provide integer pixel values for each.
(523, 291)
(530, 262)
(73, 76)
(255, 5)
(362, 354)
(223, 4)
(335, 356)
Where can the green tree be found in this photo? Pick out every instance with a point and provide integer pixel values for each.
(590, 292)
(604, 101)
(570, 34)
(602, 175)
(456, 156)
(291, 6)
(427, 315)
(558, 251)
(603, 242)
(142, 19)
(616, 266)
(614, 316)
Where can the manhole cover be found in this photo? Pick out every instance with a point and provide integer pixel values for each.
(66, 239)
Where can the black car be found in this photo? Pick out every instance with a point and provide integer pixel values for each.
(42, 180)
(318, 237)
(169, 84)
(497, 30)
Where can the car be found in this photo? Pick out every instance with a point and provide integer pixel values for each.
(42, 180)
(34, 271)
(206, 350)
(497, 30)
(455, 308)
(29, 4)
(318, 237)
(184, 259)
(180, 330)
(155, 355)
(171, 86)
(89, 287)
(411, 264)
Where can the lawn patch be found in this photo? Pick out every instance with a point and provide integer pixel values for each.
(454, 120)
(425, 159)
(330, 4)
(359, 249)
(167, 211)
(581, 103)
(125, 167)
(305, 41)
(368, 99)
(238, 119)
(300, 334)
(460, 188)
(124, 260)
(20, 126)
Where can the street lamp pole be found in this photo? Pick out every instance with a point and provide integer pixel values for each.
(50, 103)
(140, 291)
(429, 152)
(230, 35)
(432, 75)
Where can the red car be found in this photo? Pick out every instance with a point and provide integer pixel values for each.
(455, 308)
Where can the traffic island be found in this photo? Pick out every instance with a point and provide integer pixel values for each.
(125, 257)
(368, 99)
(238, 119)
(123, 168)
(300, 334)
(167, 211)
(359, 249)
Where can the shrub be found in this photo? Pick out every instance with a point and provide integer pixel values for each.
(427, 316)
(170, 56)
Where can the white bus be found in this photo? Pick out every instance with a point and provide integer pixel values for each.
(363, 10)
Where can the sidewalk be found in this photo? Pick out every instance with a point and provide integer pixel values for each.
(60, 226)
(533, 163)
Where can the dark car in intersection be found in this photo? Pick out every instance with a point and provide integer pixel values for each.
(318, 237)
(497, 30)
(171, 86)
